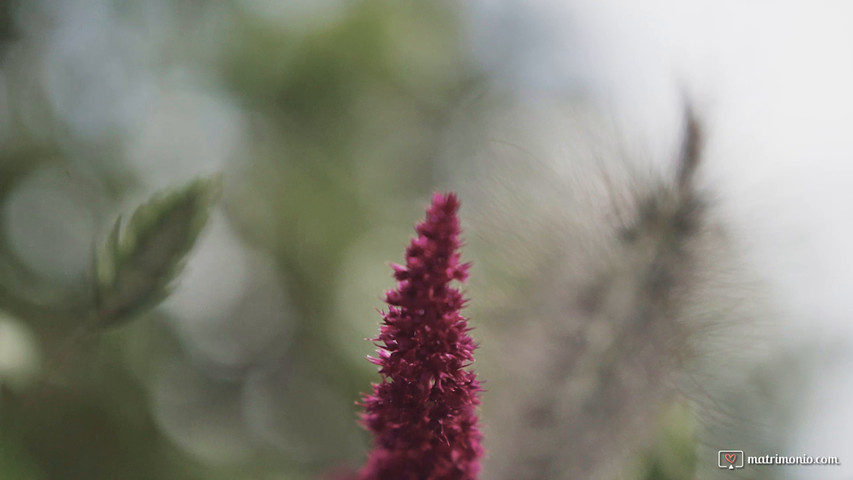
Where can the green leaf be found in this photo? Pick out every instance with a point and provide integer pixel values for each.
(135, 266)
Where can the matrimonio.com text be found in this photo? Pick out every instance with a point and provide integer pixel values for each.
(734, 459)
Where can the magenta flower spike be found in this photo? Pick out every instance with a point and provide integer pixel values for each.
(422, 413)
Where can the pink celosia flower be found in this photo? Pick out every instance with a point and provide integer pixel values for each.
(422, 414)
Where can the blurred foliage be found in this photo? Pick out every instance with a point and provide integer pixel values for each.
(673, 453)
(329, 122)
(339, 112)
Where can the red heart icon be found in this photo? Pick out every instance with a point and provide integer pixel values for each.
(731, 457)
